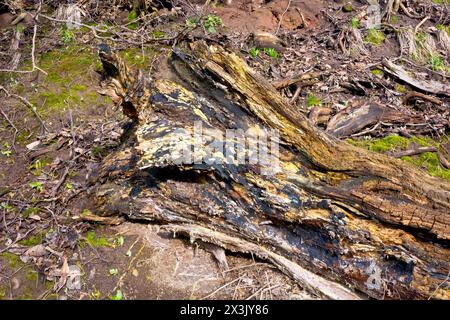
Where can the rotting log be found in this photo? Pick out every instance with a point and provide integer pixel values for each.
(344, 222)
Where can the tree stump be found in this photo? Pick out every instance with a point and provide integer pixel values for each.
(344, 222)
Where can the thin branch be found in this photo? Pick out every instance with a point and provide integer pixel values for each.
(27, 103)
(13, 126)
(282, 16)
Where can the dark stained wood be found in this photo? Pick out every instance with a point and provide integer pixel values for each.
(344, 222)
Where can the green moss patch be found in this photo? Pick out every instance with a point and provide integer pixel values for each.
(428, 161)
(11, 259)
(374, 37)
(138, 58)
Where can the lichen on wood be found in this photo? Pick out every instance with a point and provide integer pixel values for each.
(357, 220)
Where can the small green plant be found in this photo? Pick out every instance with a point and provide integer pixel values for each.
(191, 22)
(69, 186)
(312, 100)
(354, 23)
(6, 206)
(7, 150)
(37, 166)
(95, 294)
(120, 241)
(94, 241)
(131, 17)
(67, 35)
(36, 185)
(117, 296)
(375, 37)
(7, 153)
(420, 38)
(437, 63)
(442, 27)
(254, 52)
(113, 271)
(211, 22)
(271, 52)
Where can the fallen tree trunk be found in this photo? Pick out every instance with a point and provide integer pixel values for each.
(336, 218)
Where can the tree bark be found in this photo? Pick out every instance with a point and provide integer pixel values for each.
(344, 222)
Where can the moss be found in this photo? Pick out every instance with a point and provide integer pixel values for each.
(374, 37)
(31, 275)
(49, 284)
(158, 34)
(30, 211)
(33, 240)
(400, 88)
(27, 294)
(428, 161)
(68, 83)
(441, 27)
(2, 293)
(137, 58)
(347, 8)
(441, 2)
(12, 259)
(99, 151)
(393, 19)
(385, 144)
(377, 72)
(24, 136)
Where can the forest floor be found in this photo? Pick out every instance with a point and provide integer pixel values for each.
(55, 127)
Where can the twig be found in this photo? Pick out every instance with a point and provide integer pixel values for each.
(305, 24)
(414, 94)
(263, 288)
(282, 16)
(13, 126)
(421, 23)
(33, 59)
(61, 181)
(222, 287)
(413, 152)
(27, 103)
(439, 286)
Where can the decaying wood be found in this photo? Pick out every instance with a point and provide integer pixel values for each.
(335, 217)
(413, 94)
(280, 84)
(413, 151)
(430, 86)
(353, 119)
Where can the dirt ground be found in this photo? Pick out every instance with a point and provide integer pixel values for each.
(44, 165)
